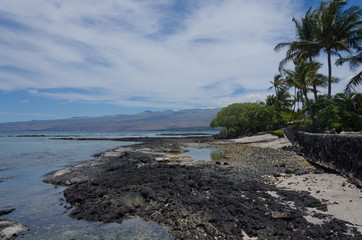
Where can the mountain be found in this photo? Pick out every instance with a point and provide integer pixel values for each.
(141, 121)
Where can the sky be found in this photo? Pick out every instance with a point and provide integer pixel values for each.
(62, 59)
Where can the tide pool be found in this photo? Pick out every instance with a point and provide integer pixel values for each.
(24, 163)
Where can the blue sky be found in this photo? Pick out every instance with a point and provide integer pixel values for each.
(63, 59)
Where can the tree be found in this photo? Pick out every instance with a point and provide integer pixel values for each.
(278, 83)
(281, 103)
(328, 28)
(343, 112)
(316, 79)
(354, 62)
(302, 48)
(239, 119)
(305, 78)
(337, 30)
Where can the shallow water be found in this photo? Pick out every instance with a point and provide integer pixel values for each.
(24, 162)
(203, 153)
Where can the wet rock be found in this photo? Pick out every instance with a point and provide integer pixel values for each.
(201, 201)
(319, 171)
(9, 230)
(300, 172)
(200, 162)
(6, 211)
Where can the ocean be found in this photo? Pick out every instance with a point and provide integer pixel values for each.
(26, 158)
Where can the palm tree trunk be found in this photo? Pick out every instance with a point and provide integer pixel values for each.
(315, 92)
(301, 97)
(305, 95)
(329, 74)
(314, 85)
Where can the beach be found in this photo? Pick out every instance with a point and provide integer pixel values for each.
(259, 189)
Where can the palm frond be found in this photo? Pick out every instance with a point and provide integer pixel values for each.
(354, 82)
(281, 45)
(354, 61)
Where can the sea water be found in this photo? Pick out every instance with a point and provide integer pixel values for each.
(24, 163)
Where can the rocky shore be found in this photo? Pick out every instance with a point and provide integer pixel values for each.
(8, 229)
(248, 194)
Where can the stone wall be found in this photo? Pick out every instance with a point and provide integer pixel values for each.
(340, 152)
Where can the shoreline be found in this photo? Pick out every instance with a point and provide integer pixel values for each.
(242, 195)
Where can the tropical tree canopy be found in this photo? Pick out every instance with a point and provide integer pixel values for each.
(239, 119)
(331, 29)
(355, 61)
(343, 112)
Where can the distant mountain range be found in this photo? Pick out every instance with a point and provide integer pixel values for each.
(197, 118)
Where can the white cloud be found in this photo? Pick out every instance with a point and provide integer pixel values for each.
(144, 53)
(28, 114)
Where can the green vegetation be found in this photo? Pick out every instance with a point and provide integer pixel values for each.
(341, 113)
(279, 134)
(244, 119)
(331, 29)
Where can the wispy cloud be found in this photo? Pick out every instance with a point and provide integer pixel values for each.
(29, 114)
(168, 53)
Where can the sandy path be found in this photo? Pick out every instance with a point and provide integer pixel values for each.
(344, 199)
(264, 140)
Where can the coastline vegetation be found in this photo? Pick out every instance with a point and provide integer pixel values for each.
(279, 134)
(245, 119)
(331, 29)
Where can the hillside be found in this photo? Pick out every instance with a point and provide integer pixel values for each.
(142, 121)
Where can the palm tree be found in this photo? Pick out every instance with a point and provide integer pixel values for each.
(302, 48)
(298, 78)
(337, 30)
(316, 79)
(328, 28)
(278, 83)
(305, 78)
(354, 62)
(352, 101)
(281, 102)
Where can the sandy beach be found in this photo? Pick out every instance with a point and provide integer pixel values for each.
(343, 199)
(261, 189)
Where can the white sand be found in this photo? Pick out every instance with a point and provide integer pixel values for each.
(264, 140)
(344, 200)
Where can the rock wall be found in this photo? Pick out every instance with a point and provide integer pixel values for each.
(340, 152)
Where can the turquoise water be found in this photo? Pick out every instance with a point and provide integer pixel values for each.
(24, 162)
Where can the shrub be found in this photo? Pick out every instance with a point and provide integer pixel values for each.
(279, 134)
(239, 119)
(342, 113)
